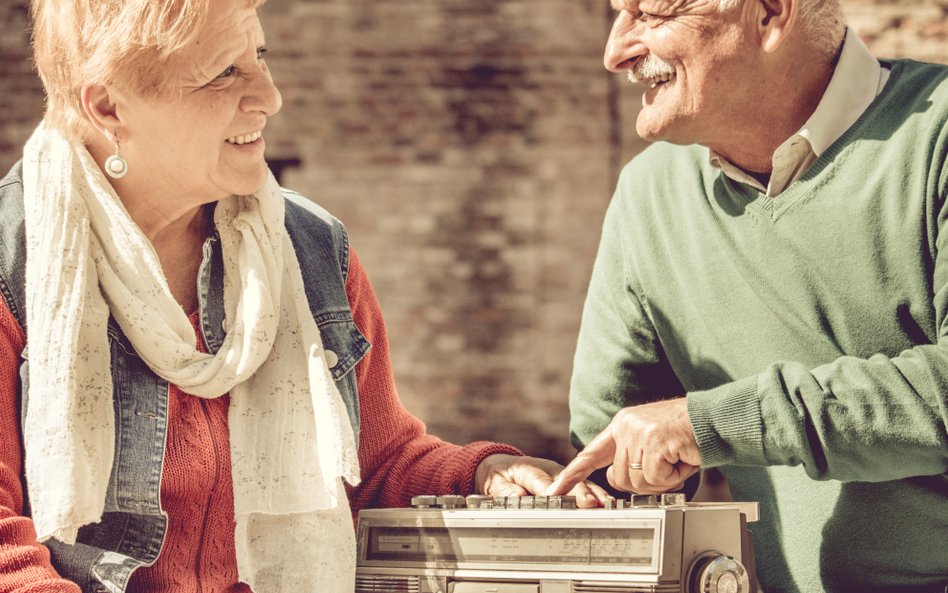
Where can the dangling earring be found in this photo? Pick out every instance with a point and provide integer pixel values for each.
(115, 166)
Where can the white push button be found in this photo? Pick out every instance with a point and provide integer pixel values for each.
(332, 359)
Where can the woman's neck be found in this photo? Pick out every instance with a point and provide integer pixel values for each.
(176, 227)
(179, 246)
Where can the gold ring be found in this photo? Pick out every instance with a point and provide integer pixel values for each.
(635, 466)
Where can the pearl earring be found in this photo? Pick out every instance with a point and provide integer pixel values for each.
(115, 166)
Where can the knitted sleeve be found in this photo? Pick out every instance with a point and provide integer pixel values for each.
(619, 359)
(868, 420)
(398, 458)
(24, 563)
(873, 419)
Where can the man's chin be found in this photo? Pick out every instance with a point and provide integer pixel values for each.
(649, 132)
(662, 131)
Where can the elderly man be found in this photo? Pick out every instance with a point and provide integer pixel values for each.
(770, 295)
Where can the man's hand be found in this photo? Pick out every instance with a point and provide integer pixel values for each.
(656, 439)
(511, 475)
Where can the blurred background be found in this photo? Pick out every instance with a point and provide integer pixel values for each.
(471, 148)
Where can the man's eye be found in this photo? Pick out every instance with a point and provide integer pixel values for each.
(227, 73)
(261, 52)
(649, 18)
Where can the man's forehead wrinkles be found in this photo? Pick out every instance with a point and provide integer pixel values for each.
(661, 7)
(666, 6)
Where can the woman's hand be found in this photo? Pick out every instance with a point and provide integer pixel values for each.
(512, 475)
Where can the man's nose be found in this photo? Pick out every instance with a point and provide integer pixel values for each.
(624, 45)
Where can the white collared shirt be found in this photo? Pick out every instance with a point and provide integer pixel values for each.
(857, 80)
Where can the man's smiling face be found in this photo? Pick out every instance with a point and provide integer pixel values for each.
(699, 64)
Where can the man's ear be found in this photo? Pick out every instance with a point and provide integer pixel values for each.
(775, 20)
(100, 108)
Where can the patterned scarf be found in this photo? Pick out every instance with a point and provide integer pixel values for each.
(291, 439)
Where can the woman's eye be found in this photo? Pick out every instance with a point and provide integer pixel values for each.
(232, 69)
(227, 73)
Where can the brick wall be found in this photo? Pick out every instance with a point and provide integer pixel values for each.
(468, 147)
(21, 93)
(471, 149)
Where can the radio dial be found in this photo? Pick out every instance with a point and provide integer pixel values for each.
(717, 573)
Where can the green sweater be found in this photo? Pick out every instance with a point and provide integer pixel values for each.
(809, 332)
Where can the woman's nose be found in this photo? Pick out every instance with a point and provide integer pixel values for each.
(263, 96)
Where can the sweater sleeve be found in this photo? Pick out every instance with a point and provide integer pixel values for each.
(619, 359)
(398, 458)
(870, 419)
(24, 563)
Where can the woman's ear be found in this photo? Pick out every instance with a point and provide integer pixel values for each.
(100, 108)
(776, 19)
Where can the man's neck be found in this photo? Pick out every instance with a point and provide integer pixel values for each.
(785, 105)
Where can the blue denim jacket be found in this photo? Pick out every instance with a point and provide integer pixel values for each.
(133, 526)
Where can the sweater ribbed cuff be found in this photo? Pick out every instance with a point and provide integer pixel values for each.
(727, 424)
(473, 454)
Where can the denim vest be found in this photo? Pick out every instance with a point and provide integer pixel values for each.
(133, 527)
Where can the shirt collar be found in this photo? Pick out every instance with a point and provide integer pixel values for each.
(857, 79)
(854, 85)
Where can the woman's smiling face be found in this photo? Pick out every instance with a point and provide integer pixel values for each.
(202, 138)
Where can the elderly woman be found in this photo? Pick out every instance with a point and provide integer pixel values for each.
(188, 398)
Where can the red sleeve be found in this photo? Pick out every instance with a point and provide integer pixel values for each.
(398, 458)
(24, 563)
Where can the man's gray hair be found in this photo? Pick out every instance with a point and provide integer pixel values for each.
(822, 21)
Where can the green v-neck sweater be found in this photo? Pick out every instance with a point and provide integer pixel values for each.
(809, 332)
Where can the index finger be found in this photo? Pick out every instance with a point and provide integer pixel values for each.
(598, 453)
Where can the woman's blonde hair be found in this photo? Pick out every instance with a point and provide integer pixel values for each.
(126, 43)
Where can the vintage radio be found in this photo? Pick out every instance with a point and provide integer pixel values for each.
(540, 544)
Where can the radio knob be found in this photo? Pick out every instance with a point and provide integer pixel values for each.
(561, 502)
(478, 501)
(717, 573)
(451, 501)
(644, 500)
(424, 501)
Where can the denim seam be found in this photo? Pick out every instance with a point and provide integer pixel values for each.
(10, 300)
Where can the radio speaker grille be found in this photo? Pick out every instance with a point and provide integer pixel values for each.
(625, 588)
(387, 584)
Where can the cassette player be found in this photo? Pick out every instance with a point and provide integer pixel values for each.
(540, 544)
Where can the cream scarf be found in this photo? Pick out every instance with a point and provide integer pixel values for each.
(291, 440)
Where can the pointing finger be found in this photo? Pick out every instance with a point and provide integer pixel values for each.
(598, 453)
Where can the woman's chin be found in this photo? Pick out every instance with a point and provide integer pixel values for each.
(248, 183)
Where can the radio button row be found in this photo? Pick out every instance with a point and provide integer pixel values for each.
(480, 501)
